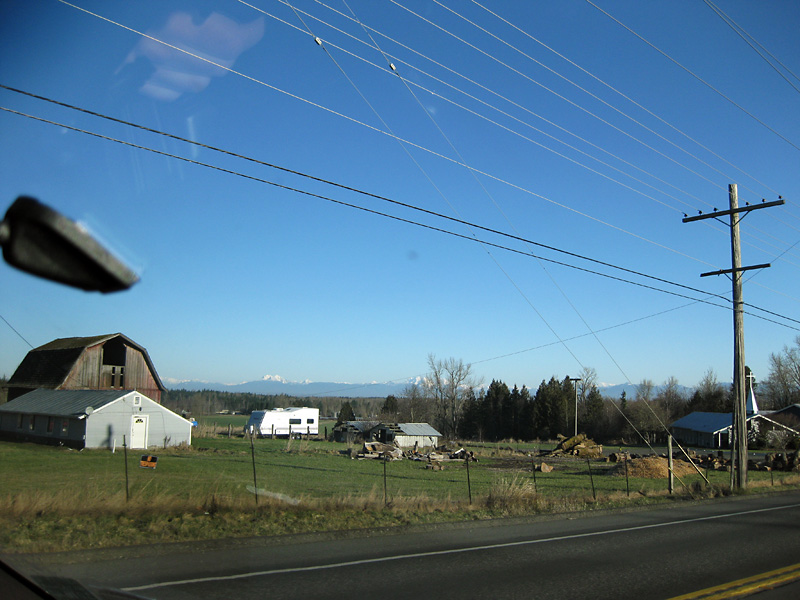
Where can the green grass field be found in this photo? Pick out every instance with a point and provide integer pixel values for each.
(55, 498)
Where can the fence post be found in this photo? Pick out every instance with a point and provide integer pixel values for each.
(533, 470)
(669, 465)
(627, 482)
(125, 452)
(385, 494)
(255, 483)
(469, 485)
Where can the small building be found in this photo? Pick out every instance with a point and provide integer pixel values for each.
(284, 422)
(102, 362)
(349, 432)
(92, 419)
(406, 435)
(713, 430)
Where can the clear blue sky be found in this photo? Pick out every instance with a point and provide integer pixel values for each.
(544, 120)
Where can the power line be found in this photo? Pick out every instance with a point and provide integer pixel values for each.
(504, 113)
(485, 191)
(697, 77)
(15, 331)
(330, 182)
(377, 130)
(416, 223)
(628, 98)
(747, 39)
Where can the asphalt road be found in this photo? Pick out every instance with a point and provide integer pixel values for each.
(659, 553)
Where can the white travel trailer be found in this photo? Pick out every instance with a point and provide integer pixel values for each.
(284, 422)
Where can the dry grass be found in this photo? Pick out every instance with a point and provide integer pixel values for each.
(652, 467)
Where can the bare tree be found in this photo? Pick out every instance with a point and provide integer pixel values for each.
(782, 386)
(412, 405)
(447, 385)
(672, 400)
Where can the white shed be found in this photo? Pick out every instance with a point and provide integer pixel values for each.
(92, 419)
(295, 420)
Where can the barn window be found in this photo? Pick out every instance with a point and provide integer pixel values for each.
(31, 422)
(20, 419)
(295, 421)
(64, 426)
(137, 400)
(51, 424)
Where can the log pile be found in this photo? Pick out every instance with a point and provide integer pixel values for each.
(577, 445)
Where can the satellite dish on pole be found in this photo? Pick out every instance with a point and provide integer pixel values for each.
(89, 410)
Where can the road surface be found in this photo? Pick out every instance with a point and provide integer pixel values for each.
(656, 553)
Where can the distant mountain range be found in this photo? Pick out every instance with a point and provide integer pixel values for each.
(274, 385)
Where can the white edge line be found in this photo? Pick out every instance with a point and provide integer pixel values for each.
(367, 561)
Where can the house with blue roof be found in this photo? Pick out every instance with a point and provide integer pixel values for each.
(713, 430)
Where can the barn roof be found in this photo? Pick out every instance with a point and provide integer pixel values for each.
(50, 364)
(62, 403)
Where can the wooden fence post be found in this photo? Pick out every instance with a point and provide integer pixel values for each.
(669, 465)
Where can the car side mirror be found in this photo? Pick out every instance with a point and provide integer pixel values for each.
(39, 240)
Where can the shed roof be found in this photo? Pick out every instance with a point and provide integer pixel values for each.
(421, 429)
(62, 403)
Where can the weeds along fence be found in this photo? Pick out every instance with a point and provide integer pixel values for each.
(228, 472)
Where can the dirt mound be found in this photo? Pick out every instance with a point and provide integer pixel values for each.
(651, 467)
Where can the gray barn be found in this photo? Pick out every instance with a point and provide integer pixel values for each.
(92, 419)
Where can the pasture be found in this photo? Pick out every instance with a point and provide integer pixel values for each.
(55, 498)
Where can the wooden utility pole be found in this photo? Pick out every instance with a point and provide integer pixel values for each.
(739, 426)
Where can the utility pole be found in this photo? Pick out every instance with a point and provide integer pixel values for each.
(739, 426)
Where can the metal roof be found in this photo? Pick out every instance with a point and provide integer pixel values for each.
(708, 422)
(62, 403)
(421, 429)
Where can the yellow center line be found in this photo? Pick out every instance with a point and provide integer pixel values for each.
(746, 586)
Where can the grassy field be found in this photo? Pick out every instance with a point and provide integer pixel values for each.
(57, 498)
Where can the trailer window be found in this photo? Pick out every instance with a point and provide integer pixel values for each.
(295, 421)
(309, 420)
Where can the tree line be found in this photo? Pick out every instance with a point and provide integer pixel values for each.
(209, 402)
(454, 401)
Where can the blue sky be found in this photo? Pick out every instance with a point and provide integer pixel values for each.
(545, 121)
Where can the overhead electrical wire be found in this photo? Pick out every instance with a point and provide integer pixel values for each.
(751, 41)
(505, 113)
(377, 130)
(404, 220)
(438, 189)
(697, 77)
(651, 113)
(505, 216)
(626, 97)
(493, 122)
(332, 183)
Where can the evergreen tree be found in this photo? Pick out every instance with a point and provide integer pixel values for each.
(346, 413)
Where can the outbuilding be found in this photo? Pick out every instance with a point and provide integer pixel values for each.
(406, 435)
(92, 419)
